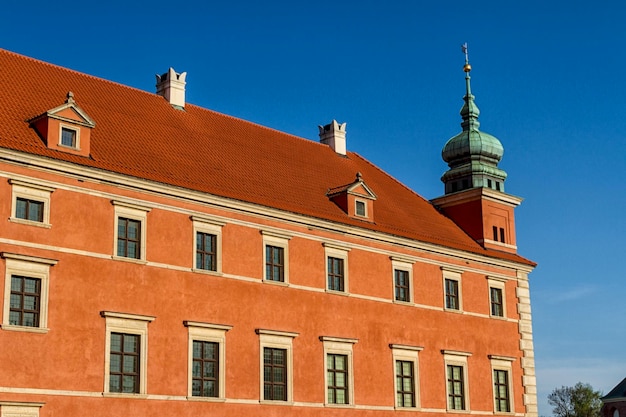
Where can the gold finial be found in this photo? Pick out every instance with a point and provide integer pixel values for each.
(467, 67)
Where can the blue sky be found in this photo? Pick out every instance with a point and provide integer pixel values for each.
(548, 79)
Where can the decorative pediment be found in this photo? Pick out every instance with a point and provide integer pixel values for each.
(65, 128)
(355, 199)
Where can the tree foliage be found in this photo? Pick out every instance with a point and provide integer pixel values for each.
(578, 401)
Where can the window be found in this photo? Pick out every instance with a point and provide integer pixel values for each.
(336, 267)
(19, 409)
(69, 137)
(360, 207)
(26, 292)
(30, 203)
(456, 390)
(276, 365)
(501, 371)
(405, 384)
(498, 237)
(452, 294)
(276, 257)
(402, 285)
(25, 301)
(501, 390)
(130, 231)
(496, 302)
(274, 374)
(274, 263)
(402, 279)
(206, 251)
(207, 355)
(496, 297)
(124, 366)
(29, 209)
(126, 359)
(128, 238)
(456, 377)
(406, 372)
(338, 370)
(335, 274)
(453, 300)
(207, 243)
(337, 378)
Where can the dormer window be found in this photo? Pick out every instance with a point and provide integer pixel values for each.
(69, 137)
(360, 208)
(66, 128)
(355, 199)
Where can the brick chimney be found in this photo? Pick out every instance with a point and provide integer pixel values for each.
(172, 86)
(334, 135)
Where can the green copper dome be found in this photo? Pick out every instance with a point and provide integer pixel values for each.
(472, 155)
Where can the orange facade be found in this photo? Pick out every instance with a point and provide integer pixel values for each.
(132, 277)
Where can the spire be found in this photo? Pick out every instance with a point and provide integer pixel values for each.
(472, 155)
(469, 111)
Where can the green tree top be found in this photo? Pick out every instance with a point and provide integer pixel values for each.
(578, 401)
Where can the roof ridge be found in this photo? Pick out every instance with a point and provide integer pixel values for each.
(76, 72)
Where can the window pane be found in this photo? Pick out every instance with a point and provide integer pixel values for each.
(115, 363)
(20, 208)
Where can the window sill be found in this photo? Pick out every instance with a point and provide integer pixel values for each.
(343, 293)
(339, 405)
(124, 395)
(14, 328)
(130, 260)
(279, 283)
(453, 310)
(404, 303)
(30, 222)
(275, 402)
(207, 399)
(499, 318)
(452, 410)
(207, 272)
(399, 408)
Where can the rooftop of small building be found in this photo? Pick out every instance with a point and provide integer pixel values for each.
(139, 134)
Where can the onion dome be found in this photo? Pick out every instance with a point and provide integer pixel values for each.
(472, 155)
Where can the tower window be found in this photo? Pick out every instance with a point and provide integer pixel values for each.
(489, 184)
(495, 233)
(502, 235)
(498, 185)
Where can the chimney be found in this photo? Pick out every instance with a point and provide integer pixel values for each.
(334, 135)
(172, 86)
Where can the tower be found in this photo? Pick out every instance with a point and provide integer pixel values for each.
(474, 196)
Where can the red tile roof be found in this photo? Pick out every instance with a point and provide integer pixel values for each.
(139, 134)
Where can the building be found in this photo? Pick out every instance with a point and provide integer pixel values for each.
(164, 259)
(614, 403)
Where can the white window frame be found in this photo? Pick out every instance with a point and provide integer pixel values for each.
(128, 324)
(407, 354)
(206, 332)
(339, 346)
(454, 275)
(20, 409)
(500, 284)
(278, 340)
(402, 264)
(280, 240)
(76, 132)
(457, 358)
(502, 363)
(31, 267)
(365, 210)
(134, 212)
(30, 191)
(213, 227)
(332, 250)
